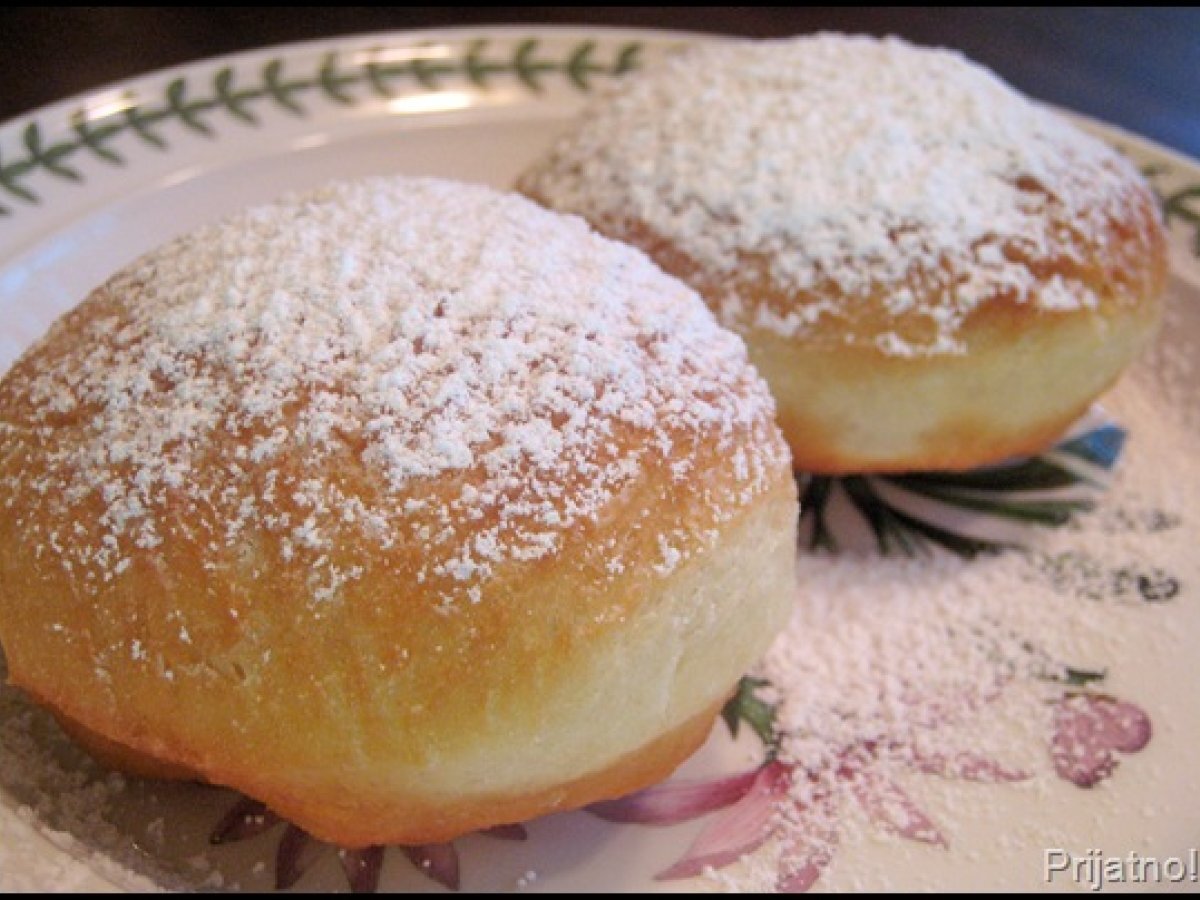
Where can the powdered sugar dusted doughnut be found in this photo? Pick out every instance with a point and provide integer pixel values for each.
(929, 269)
(404, 506)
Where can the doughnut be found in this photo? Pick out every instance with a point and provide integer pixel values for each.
(930, 270)
(403, 506)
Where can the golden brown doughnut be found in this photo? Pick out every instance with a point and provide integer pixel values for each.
(403, 506)
(931, 271)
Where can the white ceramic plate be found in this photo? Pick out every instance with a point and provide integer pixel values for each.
(89, 184)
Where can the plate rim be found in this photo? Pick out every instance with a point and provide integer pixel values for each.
(509, 30)
(456, 32)
(66, 116)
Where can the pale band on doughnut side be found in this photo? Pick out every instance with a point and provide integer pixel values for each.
(405, 507)
(930, 270)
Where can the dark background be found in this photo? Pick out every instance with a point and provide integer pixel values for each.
(1138, 68)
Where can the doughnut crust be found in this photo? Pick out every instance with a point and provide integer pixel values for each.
(931, 271)
(403, 506)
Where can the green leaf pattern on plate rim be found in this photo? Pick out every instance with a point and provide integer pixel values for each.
(199, 101)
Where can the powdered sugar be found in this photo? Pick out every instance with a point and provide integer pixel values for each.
(894, 667)
(848, 167)
(60, 795)
(386, 361)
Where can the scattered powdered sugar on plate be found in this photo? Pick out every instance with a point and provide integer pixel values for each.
(896, 668)
(59, 794)
(378, 362)
(852, 169)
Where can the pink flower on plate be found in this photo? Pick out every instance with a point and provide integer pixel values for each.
(1089, 729)
(795, 807)
(751, 802)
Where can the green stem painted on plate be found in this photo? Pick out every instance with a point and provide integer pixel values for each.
(746, 706)
(198, 105)
(1183, 206)
(1179, 205)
